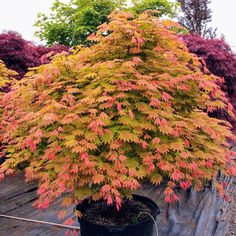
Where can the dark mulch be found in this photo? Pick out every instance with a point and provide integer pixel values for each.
(101, 213)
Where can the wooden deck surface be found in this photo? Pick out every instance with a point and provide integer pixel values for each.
(16, 199)
(197, 214)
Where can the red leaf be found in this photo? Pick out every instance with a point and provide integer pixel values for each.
(185, 185)
(84, 157)
(118, 202)
(193, 166)
(168, 199)
(109, 200)
(62, 214)
(74, 169)
(131, 114)
(227, 198)
(119, 108)
(186, 143)
(92, 37)
(175, 198)
(166, 97)
(1, 176)
(133, 40)
(136, 61)
(177, 175)
(69, 221)
(105, 189)
(156, 141)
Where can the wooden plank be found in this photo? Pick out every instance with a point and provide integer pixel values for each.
(197, 213)
(229, 214)
(16, 198)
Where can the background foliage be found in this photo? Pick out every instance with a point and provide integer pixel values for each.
(19, 54)
(70, 24)
(220, 61)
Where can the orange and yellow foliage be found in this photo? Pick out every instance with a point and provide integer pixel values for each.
(5, 78)
(5, 75)
(132, 107)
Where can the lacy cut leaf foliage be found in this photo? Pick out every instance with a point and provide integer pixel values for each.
(132, 107)
(5, 78)
(5, 75)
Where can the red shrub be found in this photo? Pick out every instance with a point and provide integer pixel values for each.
(220, 60)
(43, 51)
(19, 54)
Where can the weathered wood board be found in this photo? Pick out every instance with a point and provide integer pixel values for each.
(16, 199)
(197, 214)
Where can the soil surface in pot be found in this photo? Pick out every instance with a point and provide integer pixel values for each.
(101, 213)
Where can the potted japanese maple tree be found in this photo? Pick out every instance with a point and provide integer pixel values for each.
(97, 123)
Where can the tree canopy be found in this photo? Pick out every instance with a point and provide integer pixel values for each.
(70, 24)
(165, 7)
(130, 108)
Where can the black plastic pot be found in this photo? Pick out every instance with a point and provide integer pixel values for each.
(143, 228)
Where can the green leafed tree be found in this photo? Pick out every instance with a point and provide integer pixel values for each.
(70, 24)
(165, 7)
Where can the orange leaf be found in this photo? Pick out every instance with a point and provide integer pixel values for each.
(97, 179)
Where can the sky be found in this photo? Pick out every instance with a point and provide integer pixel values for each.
(20, 16)
(224, 18)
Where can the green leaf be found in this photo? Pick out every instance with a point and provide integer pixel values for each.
(156, 179)
(107, 138)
